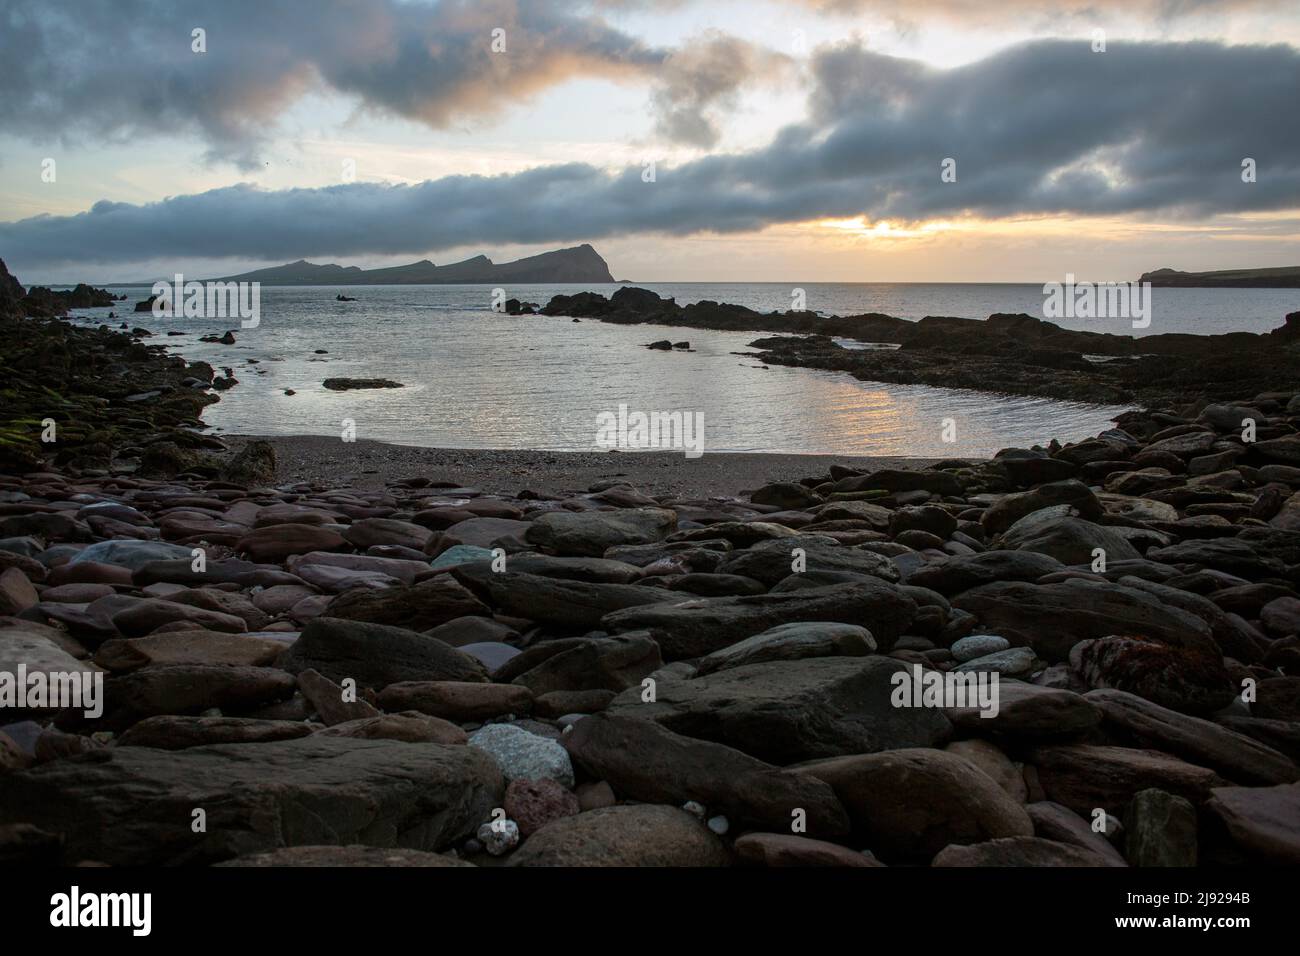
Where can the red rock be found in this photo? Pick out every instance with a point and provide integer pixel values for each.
(16, 593)
(277, 542)
(787, 849)
(534, 803)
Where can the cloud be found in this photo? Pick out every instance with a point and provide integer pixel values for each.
(704, 78)
(1044, 128)
(127, 71)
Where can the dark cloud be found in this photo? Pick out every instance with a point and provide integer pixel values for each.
(1047, 127)
(126, 70)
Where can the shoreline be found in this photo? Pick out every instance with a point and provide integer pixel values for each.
(508, 471)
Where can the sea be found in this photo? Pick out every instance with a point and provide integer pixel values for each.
(476, 378)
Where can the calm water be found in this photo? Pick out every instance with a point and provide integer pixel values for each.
(479, 379)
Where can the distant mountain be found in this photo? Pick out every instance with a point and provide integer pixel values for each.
(1285, 277)
(577, 264)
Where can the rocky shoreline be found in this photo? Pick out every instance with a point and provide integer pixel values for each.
(420, 673)
(1008, 354)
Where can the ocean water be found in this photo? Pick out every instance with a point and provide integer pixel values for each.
(474, 378)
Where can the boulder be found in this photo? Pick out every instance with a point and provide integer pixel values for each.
(786, 711)
(305, 792)
(792, 642)
(646, 762)
(910, 803)
(698, 627)
(643, 835)
(592, 533)
(375, 656)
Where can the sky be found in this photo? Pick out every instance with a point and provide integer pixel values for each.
(764, 140)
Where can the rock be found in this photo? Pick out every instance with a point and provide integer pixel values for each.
(277, 542)
(457, 700)
(1084, 777)
(614, 663)
(188, 647)
(895, 480)
(1181, 679)
(551, 601)
(147, 615)
(1069, 540)
(254, 464)
(1030, 712)
(793, 642)
(486, 532)
(955, 575)
(978, 645)
(1236, 756)
(699, 627)
(168, 732)
(375, 656)
(417, 608)
(995, 764)
(16, 592)
(1280, 616)
(771, 561)
(1071, 494)
(786, 495)
(1013, 662)
(132, 555)
(499, 837)
(1230, 555)
(349, 856)
(524, 756)
(1062, 825)
(646, 762)
(624, 836)
(1018, 851)
(1052, 618)
(787, 849)
(330, 700)
(785, 711)
(369, 532)
(189, 689)
(567, 703)
(460, 554)
(409, 726)
(1160, 830)
(1263, 822)
(961, 804)
(259, 798)
(592, 533)
(345, 384)
(534, 803)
